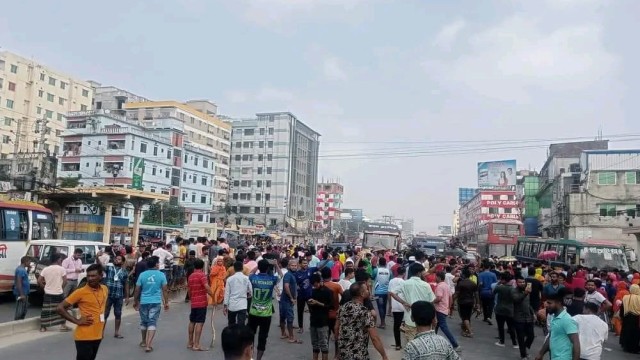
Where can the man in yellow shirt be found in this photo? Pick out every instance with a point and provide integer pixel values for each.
(91, 300)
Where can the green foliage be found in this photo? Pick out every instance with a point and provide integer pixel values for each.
(163, 213)
(69, 182)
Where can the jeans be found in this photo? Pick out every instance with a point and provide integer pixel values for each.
(117, 308)
(21, 308)
(149, 314)
(487, 307)
(264, 323)
(87, 350)
(501, 319)
(286, 312)
(301, 304)
(382, 306)
(237, 317)
(397, 321)
(320, 339)
(69, 287)
(442, 324)
(525, 334)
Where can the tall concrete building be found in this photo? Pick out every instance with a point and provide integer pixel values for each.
(328, 203)
(112, 98)
(203, 129)
(274, 171)
(33, 102)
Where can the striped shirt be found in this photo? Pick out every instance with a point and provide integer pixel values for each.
(429, 346)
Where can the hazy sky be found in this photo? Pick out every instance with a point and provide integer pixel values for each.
(408, 95)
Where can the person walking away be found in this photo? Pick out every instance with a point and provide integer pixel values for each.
(523, 316)
(413, 289)
(382, 276)
(355, 325)
(237, 342)
(217, 275)
(262, 303)
(486, 279)
(21, 288)
(117, 283)
(621, 292)
(151, 292)
(279, 291)
(536, 288)
(198, 288)
(563, 342)
(427, 345)
(73, 266)
(336, 293)
(337, 268)
(319, 306)
(593, 332)
(349, 278)
(236, 293)
(396, 307)
(504, 294)
(287, 301)
(630, 315)
(442, 307)
(189, 268)
(53, 279)
(468, 300)
(91, 301)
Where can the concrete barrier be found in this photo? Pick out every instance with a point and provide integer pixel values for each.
(19, 326)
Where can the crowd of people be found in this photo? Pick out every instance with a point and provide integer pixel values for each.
(349, 294)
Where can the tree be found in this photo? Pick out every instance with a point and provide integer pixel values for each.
(69, 182)
(163, 213)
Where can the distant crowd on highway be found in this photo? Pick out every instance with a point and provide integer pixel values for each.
(350, 295)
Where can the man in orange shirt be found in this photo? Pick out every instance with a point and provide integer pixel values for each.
(91, 300)
(336, 291)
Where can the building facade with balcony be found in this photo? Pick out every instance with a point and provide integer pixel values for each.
(112, 98)
(328, 203)
(487, 205)
(29, 93)
(105, 149)
(274, 171)
(202, 129)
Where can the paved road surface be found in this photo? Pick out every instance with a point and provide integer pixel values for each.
(171, 342)
(8, 308)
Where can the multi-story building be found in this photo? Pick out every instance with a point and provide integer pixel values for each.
(562, 167)
(455, 227)
(466, 194)
(112, 98)
(105, 149)
(274, 171)
(488, 205)
(202, 128)
(527, 188)
(328, 203)
(33, 102)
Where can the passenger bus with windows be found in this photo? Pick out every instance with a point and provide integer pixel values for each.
(20, 222)
(498, 236)
(430, 245)
(380, 235)
(603, 255)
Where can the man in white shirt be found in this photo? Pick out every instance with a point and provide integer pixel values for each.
(236, 292)
(396, 308)
(449, 279)
(163, 255)
(348, 280)
(593, 332)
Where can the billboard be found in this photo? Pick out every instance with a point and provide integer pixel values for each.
(466, 194)
(138, 173)
(444, 230)
(497, 174)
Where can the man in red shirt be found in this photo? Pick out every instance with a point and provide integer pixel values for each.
(198, 290)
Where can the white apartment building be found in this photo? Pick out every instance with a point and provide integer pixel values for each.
(105, 149)
(30, 92)
(274, 171)
(203, 129)
(113, 98)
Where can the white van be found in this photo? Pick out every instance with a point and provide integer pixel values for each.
(41, 251)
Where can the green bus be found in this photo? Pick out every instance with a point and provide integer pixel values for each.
(598, 254)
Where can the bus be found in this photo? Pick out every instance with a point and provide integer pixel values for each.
(20, 222)
(380, 235)
(498, 237)
(604, 255)
(430, 245)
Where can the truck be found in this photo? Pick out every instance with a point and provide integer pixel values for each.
(430, 245)
(380, 236)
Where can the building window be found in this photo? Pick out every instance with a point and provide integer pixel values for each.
(60, 117)
(203, 199)
(259, 171)
(607, 178)
(608, 210)
(268, 171)
(204, 180)
(633, 178)
(269, 157)
(12, 86)
(83, 107)
(195, 161)
(267, 197)
(40, 93)
(259, 183)
(270, 131)
(237, 158)
(260, 157)
(63, 85)
(85, 92)
(507, 210)
(143, 148)
(493, 210)
(167, 173)
(8, 121)
(39, 110)
(42, 77)
(200, 218)
(238, 145)
(270, 144)
(52, 81)
(50, 97)
(258, 197)
(195, 179)
(247, 144)
(48, 114)
(155, 151)
(244, 210)
(193, 197)
(261, 144)
(268, 183)
(61, 101)
(256, 210)
(272, 222)
(235, 196)
(9, 104)
(261, 131)
(153, 170)
(14, 69)
(5, 139)
(248, 132)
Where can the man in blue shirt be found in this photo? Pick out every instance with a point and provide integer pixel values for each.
(563, 342)
(304, 290)
(486, 279)
(21, 288)
(151, 292)
(288, 299)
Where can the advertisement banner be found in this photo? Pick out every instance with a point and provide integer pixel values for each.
(499, 216)
(497, 174)
(444, 230)
(138, 173)
(501, 203)
(11, 225)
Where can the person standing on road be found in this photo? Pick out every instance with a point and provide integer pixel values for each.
(468, 300)
(523, 315)
(288, 301)
(236, 293)
(504, 294)
(151, 293)
(382, 276)
(593, 332)
(53, 279)
(198, 288)
(486, 279)
(73, 267)
(116, 280)
(336, 293)
(396, 307)
(302, 276)
(262, 303)
(320, 304)
(427, 345)
(21, 287)
(563, 342)
(443, 305)
(91, 301)
(414, 289)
